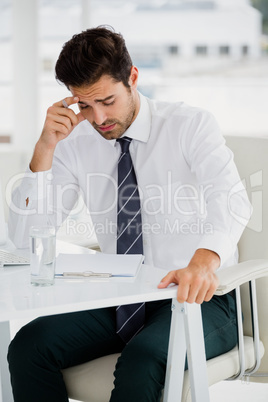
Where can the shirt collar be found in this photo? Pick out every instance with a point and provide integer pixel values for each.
(141, 126)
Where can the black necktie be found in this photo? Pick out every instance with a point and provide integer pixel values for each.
(129, 318)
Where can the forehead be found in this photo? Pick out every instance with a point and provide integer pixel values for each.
(103, 88)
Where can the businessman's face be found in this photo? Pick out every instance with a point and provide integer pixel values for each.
(108, 105)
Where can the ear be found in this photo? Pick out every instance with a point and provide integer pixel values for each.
(133, 79)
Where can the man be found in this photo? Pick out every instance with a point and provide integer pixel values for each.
(185, 176)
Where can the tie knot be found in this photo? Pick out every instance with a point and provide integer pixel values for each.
(124, 142)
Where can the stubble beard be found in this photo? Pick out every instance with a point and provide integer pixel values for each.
(121, 126)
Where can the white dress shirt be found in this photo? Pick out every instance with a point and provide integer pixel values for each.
(191, 194)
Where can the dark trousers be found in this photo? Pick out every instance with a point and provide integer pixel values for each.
(48, 344)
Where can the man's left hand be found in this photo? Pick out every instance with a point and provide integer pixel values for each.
(198, 281)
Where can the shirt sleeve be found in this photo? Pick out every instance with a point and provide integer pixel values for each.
(42, 198)
(227, 205)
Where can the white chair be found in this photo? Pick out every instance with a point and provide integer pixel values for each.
(93, 381)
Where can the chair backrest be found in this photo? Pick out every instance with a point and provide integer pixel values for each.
(251, 158)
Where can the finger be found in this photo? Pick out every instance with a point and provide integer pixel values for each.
(75, 118)
(210, 292)
(208, 296)
(198, 289)
(200, 297)
(183, 292)
(69, 100)
(61, 129)
(193, 294)
(55, 111)
(80, 117)
(167, 280)
(70, 115)
(64, 121)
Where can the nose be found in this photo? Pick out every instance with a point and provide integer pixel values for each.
(99, 116)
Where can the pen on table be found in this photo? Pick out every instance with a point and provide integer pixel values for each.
(86, 274)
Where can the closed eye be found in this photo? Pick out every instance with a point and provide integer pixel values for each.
(108, 104)
(83, 107)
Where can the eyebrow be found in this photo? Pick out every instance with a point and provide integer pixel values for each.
(99, 100)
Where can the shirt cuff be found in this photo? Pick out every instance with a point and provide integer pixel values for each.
(35, 185)
(220, 243)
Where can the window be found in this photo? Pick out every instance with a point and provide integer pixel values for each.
(201, 50)
(224, 50)
(174, 50)
(245, 50)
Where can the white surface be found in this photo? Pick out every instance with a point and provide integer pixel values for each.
(126, 265)
(238, 391)
(235, 391)
(20, 300)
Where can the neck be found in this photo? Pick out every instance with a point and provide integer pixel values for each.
(136, 98)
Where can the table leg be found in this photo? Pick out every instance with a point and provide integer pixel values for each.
(186, 333)
(196, 356)
(6, 392)
(176, 355)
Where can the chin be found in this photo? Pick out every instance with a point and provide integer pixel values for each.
(110, 135)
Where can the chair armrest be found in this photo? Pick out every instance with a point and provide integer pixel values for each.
(235, 275)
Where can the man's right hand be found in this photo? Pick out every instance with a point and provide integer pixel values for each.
(60, 122)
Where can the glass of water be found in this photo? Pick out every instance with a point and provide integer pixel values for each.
(42, 255)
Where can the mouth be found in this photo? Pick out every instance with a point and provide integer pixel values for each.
(107, 128)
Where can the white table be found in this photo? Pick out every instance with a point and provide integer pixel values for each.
(18, 299)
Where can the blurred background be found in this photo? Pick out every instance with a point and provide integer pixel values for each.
(207, 53)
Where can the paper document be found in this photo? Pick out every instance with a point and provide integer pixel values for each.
(113, 264)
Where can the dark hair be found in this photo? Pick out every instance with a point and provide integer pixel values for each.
(91, 54)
